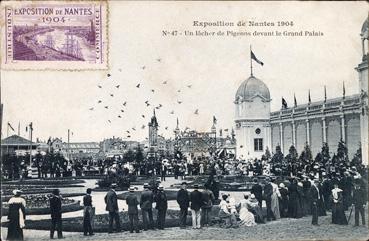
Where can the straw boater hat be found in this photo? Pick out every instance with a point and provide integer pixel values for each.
(113, 185)
(161, 187)
(146, 184)
(281, 185)
(131, 189)
(17, 192)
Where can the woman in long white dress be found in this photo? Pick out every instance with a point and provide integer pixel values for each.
(275, 202)
(246, 217)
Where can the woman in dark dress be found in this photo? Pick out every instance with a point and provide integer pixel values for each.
(16, 216)
(294, 207)
(338, 212)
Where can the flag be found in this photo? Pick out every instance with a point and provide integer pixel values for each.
(10, 126)
(284, 103)
(254, 58)
(294, 99)
(343, 89)
(19, 124)
(214, 120)
(325, 93)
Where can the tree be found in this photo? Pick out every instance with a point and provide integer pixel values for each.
(342, 151)
(277, 160)
(357, 159)
(267, 153)
(139, 156)
(306, 155)
(325, 157)
(129, 156)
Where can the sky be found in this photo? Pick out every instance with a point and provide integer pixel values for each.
(213, 67)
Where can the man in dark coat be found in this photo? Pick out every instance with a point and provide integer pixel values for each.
(315, 196)
(56, 214)
(111, 201)
(208, 200)
(183, 199)
(162, 206)
(196, 204)
(327, 191)
(146, 201)
(88, 213)
(257, 190)
(359, 200)
(132, 203)
(268, 191)
(163, 173)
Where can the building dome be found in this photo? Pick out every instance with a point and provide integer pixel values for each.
(252, 87)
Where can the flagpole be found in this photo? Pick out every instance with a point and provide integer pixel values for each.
(251, 61)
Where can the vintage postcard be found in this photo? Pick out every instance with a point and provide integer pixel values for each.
(184, 120)
(54, 35)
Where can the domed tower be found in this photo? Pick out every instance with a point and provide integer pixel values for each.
(153, 131)
(252, 119)
(362, 69)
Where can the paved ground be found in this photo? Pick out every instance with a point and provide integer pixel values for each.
(284, 229)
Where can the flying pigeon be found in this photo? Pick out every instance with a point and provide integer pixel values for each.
(125, 102)
(133, 128)
(111, 95)
(166, 127)
(92, 108)
(157, 107)
(120, 70)
(143, 127)
(128, 136)
(117, 86)
(178, 91)
(119, 116)
(128, 132)
(122, 111)
(152, 90)
(99, 86)
(143, 116)
(179, 102)
(196, 112)
(109, 121)
(106, 107)
(189, 86)
(138, 86)
(143, 67)
(159, 60)
(165, 82)
(108, 75)
(99, 101)
(160, 105)
(172, 112)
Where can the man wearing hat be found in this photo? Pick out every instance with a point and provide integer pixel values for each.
(162, 206)
(359, 200)
(257, 190)
(196, 204)
(315, 196)
(111, 201)
(56, 214)
(146, 201)
(268, 192)
(88, 213)
(183, 200)
(132, 203)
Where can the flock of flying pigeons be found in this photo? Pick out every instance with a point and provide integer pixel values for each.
(101, 103)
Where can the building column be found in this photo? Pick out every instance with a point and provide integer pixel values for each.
(281, 135)
(293, 133)
(308, 132)
(343, 132)
(324, 130)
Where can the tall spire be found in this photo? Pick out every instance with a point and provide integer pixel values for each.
(309, 98)
(343, 90)
(251, 61)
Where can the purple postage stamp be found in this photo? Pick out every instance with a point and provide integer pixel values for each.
(55, 35)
